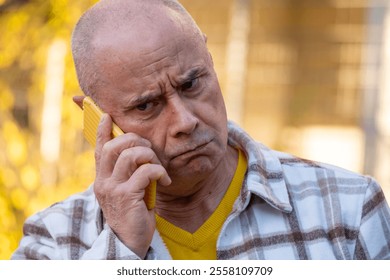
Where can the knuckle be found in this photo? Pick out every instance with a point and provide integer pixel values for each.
(145, 153)
(149, 169)
(97, 155)
(100, 192)
(137, 155)
(107, 147)
(128, 157)
(99, 133)
(127, 154)
(136, 140)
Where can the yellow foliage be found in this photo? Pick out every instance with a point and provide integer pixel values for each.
(6, 97)
(7, 219)
(16, 148)
(27, 31)
(9, 177)
(19, 198)
(6, 244)
(29, 177)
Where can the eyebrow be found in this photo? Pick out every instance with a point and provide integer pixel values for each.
(144, 98)
(150, 96)
(190, 75)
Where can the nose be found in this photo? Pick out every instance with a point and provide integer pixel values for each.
(183, 120)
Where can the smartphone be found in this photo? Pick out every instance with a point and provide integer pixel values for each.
(91, 119)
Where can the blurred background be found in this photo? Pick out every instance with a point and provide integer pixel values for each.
(308, 77)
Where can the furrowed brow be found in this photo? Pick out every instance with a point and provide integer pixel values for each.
(190, 75)
(142, 99)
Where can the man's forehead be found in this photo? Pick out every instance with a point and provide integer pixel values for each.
(117, 35)
(137, 16)
(141, 31)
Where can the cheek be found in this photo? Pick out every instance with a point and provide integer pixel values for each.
(215, 117)
(215, 97)
(215, 108)
(158, 137)
(155, 133)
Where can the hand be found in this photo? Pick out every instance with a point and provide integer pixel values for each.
(125, 166)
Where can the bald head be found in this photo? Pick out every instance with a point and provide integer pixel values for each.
(121, 18)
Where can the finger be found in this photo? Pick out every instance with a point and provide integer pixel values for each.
(79, 100)
(102, 137)
(133, 190)
(130, 159)
(146, 174)
(150, 174)
(112, 149)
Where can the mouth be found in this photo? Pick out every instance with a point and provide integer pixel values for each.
(191, 151)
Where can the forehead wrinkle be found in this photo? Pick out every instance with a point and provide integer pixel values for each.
(163, 87)
(144, 97)
(155, 66)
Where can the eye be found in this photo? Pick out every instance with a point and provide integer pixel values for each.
(189, 84)
(145, 106)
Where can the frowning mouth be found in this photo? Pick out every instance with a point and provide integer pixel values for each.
(191, 151)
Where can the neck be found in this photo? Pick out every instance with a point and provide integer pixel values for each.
(191, 211)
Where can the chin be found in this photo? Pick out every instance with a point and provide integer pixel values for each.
(195, 168)
(185, 180)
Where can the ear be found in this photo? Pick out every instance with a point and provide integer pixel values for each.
(79, 100)
(205, 38)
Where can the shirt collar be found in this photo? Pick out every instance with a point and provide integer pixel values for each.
(264, 175)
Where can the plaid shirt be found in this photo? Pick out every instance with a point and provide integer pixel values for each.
(289, 208)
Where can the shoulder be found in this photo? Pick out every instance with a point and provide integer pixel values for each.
(84, 201)
(62, 231)
(303, 171)
(56, 219)
(327, 186)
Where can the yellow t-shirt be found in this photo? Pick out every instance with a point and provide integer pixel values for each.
(201, 245)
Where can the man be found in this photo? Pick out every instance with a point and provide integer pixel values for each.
(220, 195)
